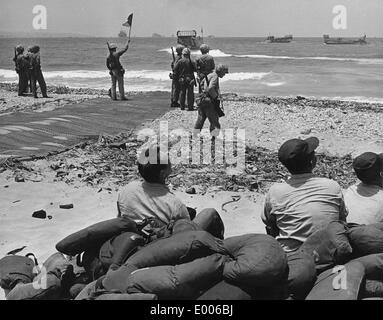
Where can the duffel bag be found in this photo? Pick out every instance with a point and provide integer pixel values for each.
(184, 281)
(259, 261)
(339, 283)
(210, 221)
(17, 269)
(373, 265)
(329, 246)
(46, 286)
(95, 235)
(114, 252)
(366, 240)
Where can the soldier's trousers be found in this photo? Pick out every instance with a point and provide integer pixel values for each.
(117, 77)
(37, 76)
(187, 93)
(23, 82)
(175, 96)
(208, 111)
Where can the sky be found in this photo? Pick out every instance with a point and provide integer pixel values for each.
(236, 18)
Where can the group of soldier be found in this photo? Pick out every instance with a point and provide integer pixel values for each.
(28, 68)
(183, 79)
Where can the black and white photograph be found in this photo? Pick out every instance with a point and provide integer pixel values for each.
(192, 154)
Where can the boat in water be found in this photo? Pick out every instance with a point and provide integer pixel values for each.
(285, 39)
(328, 40)
(189, 39)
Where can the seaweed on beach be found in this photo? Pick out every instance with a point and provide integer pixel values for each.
(112, 161)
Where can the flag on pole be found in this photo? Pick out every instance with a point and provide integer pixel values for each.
(128, 23)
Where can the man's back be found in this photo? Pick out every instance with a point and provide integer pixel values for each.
(205, 64)
(302, 205)
(364, 203)
(140, 200)
(184, 67)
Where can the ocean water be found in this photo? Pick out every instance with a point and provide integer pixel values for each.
(304, 67)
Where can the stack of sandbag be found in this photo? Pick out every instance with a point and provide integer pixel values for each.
(258, 270)
(367, 243)
(178, 249)
(102, 245)
(354, 267)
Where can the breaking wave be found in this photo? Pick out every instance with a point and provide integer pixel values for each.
(157, 75)
(220, 54)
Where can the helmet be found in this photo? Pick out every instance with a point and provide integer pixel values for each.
(204, 48)
(34, 49)
(179, 48)
(186, 52)
(112, 46)
(19, 49)
(222, 68)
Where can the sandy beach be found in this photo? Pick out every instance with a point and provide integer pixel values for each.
(90, 176)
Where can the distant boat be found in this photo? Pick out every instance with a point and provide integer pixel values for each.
(122, 34)
(156, 35)
(328, 40)
(189, 39)
(285, 39)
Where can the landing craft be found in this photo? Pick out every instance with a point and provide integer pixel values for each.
(285, 39)
(189, 39)
(328, 40)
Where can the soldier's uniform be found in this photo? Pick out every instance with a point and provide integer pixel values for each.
(210, 85)
(175, 94)
(205, 64)
(184, 74)
(22, 69)
(36, 73)
(116, 70)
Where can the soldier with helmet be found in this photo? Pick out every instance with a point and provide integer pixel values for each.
(175, 95)
(205, 64)
(116, 70)
(184, 74)
(22, 69)
(35, 71)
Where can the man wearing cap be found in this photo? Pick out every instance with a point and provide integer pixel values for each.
(35, 72)
(175, 95)
(184, 74)
(116, 70)
(210, 87)
(296, 208)
(205, 64)
(22, 69)
(364, 200)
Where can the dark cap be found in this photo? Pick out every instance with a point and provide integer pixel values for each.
(296, 150)
(368, 162)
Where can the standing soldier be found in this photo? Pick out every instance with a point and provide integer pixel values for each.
(116, 70)
(184, 74)
(175, 96)
(22, 69)
(205, 64)
(35, 72)
(209, 109)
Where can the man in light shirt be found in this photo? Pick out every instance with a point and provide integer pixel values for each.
(304, 203)
(364, 200)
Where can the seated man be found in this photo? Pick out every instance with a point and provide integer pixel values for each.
(152, 198)
(364, 200)
(304, 203)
